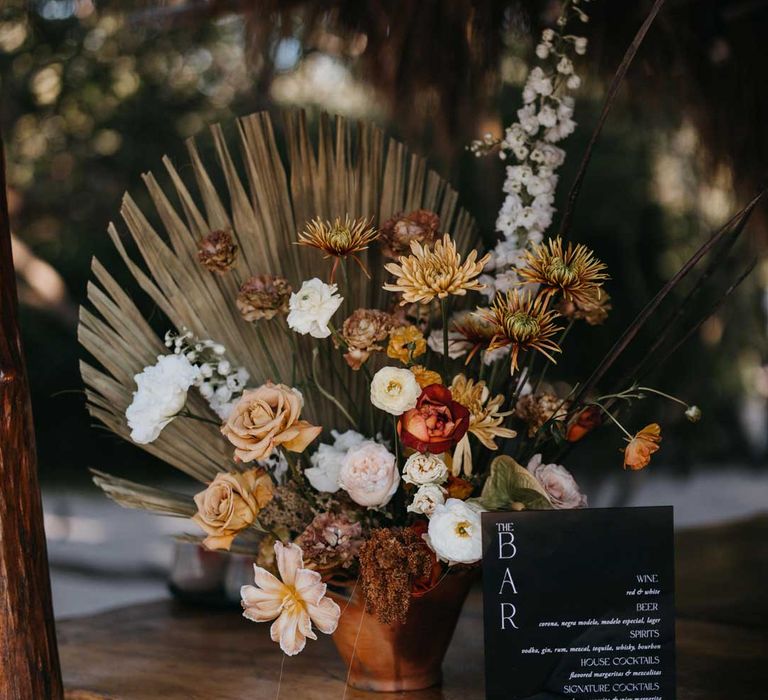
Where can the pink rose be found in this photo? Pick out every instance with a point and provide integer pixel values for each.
(369, 474)
(561, 487)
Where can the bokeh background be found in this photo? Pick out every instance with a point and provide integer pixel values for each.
(95, 92)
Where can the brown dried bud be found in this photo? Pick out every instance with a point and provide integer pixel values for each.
(263, 296)
(330, 542)
(362, 331)
(397, 233)
(537, 410)
(593, 310)
(217, 251)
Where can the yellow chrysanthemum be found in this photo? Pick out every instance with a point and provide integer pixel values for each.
(406, 343)
(437, 272)
(425, 377)
(574, 271)
(339, 239)
(523, 322)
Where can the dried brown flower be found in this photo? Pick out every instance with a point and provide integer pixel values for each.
(287, 511)
(594, 310)
(476, 330)
(390, 562)
(436, 272)
(574, 271)
(339, 239)
(398, 232)
(537, 410)
(330, 542)
(263, 297)
(217, 251)
(362, 332)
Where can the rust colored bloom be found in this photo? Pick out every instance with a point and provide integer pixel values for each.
(585, 422)
(574, 271)
(458, 488)
(330, 542)
(637, 453)
(424, 584)
(362, 331)
(263, 297)
(406, 343)
(339, 239)
(539, 409)
(425, 376)
(217, 251)
(524, 323)
(437, 272)
(437, 422)
(400, 231)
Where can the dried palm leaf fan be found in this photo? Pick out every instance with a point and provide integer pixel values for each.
(351, 169)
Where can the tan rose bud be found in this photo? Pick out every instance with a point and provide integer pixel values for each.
(398, 232)
(230, 504)
(362, 331)
(263, 297)
(217, 251)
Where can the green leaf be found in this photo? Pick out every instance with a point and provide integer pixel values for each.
(512, 487)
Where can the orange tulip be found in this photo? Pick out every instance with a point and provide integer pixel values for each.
(639, 449)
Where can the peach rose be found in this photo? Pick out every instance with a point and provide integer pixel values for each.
(230, 504)
(266, 418)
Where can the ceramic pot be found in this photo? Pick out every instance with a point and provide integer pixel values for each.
(398, 657)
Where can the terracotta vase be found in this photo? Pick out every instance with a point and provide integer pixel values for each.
(398, 657)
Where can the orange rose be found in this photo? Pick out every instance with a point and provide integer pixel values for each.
(437, 422)
(639, 449)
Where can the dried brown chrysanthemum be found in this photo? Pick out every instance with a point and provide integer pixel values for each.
(537, 410)
(390, 562)
(401, 230)
(339, 239)
(287, 511)
(217, 251)
(574, 271)
(330, 542)
(593, 310)
(437, 272)
(263, 297)
(362, 332)
(524, 322)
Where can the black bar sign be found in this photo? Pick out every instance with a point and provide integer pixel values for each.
(579, 604)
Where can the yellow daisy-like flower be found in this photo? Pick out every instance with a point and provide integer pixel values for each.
(523, 322)
(485, 419)
(339, 239)
(574, 271)
(437, 272)
(406, 343)
(425, 377)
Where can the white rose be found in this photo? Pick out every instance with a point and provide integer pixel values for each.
(427, 498)
(454, 532)
(369, 474)
(557, 481)
(424, 469)
(394, 390)
(312, 307)
(161, 392)
(326, 462)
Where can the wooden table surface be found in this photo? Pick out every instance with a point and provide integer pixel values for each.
(168, 650)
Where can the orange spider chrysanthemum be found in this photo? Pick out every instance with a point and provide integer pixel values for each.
(637, 453)
(523, 322)
(574, 271)
(339, 239)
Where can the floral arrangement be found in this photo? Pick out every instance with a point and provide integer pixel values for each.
(351, 380)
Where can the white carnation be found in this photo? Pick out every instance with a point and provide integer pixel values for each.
(312, 307)
(160, 394)
(426, 499)
(323, 475)
(394, 390)
(454, 532)
(423, 469)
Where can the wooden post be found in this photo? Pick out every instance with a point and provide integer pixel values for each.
(29, 659)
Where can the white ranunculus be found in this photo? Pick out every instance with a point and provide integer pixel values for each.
(326, 461)
(426, 499)
(161, 392)
(394, 390)
(422, 469)
(369, 474)
(563, 491)
(454, 532)
(312, 307)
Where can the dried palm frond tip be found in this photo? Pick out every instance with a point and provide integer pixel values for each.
(435, 272)
(339, 239)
